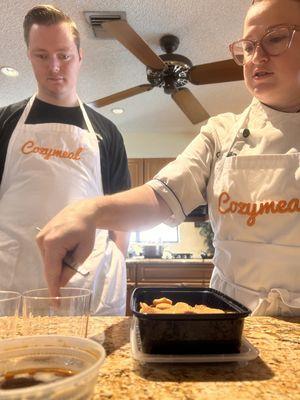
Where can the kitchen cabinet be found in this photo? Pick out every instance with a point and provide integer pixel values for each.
(143, 169)
(169, 273)
(136, 170)
(153, 165)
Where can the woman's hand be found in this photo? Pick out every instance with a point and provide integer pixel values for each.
(70, 233)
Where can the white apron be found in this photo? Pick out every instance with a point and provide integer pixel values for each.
(257, 258)
(49, 166)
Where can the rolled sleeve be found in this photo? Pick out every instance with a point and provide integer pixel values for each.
(182, 183)
(170, 198)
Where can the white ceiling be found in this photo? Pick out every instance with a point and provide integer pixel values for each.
(204, 27)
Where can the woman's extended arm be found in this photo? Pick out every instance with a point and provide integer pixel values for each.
(72, 231)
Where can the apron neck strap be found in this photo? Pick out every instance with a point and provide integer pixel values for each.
(87, 120)
(26, 110)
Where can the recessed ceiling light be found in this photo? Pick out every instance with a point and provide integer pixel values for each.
(9, 71)
(117, 110)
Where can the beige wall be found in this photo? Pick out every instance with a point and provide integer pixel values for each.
(155, 145)
(190, 240)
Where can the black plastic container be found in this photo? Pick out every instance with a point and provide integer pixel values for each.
(189, 333)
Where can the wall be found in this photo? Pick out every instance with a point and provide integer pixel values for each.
(190, 240)
(155, 145)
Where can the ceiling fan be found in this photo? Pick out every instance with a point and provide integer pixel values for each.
(170, 71)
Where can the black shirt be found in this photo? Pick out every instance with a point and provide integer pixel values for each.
(114, 167)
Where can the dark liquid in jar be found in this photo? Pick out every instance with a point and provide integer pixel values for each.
(32, 377)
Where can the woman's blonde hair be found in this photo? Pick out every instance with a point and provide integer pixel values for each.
(46, 14)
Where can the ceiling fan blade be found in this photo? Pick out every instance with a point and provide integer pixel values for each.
(123, 32)
(216, 72)
(191, 107)
(122, 95)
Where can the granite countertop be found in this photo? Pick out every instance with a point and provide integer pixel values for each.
(142, 260)
(273, 375)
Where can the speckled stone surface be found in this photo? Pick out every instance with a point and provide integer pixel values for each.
(274, 375)
(151, 261)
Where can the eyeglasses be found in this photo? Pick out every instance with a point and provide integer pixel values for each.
(274, 42)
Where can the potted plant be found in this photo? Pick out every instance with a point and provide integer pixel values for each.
(208, 234)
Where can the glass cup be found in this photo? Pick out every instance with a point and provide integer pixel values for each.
(66, 315)
(9, 311)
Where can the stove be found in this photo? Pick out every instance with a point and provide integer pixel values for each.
(182, 255)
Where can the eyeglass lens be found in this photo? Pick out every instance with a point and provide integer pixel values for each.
(273, 43)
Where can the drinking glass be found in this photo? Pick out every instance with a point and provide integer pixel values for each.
(66, 315)
(9, 311)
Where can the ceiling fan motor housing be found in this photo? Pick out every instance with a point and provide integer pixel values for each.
(174, 76)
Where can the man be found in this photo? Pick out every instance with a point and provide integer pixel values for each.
(247, 168)
(55, 150)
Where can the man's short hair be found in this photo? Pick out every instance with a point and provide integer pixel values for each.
(259, 1)
(46, 14)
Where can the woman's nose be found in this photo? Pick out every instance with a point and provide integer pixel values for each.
(259, 56)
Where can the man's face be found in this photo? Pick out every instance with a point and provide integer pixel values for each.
(55, 61)
(274, 80)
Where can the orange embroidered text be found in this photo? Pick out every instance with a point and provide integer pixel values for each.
(252, 210)
(48, 152)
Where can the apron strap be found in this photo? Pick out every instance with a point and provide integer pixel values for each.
(87, 120)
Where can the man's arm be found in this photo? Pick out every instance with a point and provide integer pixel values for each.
(121, 239)
(9, 117)
(114, 167)
(118, 180)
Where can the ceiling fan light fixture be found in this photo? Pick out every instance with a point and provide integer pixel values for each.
(117, 111)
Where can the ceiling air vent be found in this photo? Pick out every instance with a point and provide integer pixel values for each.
(96, 18)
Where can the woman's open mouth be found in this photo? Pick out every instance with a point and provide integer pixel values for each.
(260, 74)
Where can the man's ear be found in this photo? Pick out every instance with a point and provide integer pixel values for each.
(80, 52)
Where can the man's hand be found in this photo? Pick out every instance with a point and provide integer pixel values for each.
(72, 233)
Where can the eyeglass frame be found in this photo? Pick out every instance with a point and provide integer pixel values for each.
(258, 43)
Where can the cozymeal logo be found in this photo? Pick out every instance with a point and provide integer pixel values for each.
(228, 206)
(48, 152)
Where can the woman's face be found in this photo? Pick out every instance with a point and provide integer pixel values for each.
(274, 80)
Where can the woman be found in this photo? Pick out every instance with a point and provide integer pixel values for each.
(245, 166)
